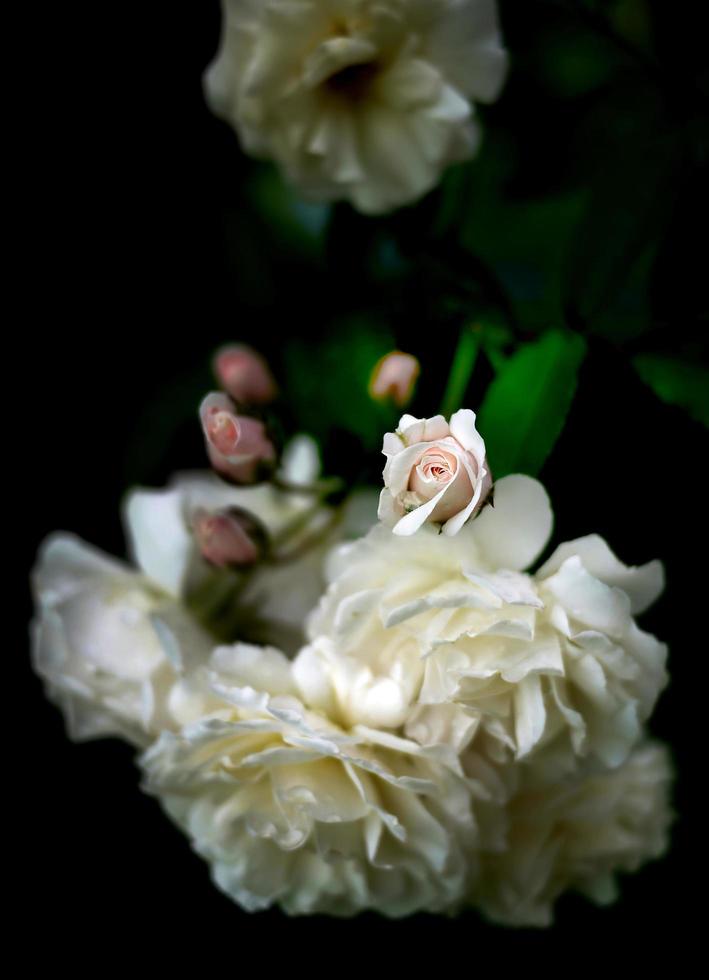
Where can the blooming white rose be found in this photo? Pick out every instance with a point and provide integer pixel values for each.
(577, 835)
(108, 642)
(292, 806)
(364, 100)
(435, 471)
(548, 668)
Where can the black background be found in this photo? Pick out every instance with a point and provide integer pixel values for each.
(132, 279)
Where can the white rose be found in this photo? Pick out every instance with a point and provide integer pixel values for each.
(108, 642)
(292, 807)
(363, 100)
(435, 472)
(548, 668)
(578, 834)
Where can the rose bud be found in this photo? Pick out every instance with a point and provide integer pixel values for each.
(228, 538)
(237, 445)
(245, 375)
(435, 471)
(394, 377)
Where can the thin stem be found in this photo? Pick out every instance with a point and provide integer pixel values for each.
(464, 359)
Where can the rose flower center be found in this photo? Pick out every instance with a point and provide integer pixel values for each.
(352, 82)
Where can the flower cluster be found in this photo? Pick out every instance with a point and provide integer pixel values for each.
(345, 717)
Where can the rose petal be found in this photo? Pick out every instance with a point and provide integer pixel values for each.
(642, 584)
(513, 532)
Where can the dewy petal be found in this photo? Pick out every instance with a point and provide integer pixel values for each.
(642, 584)
(513, 533)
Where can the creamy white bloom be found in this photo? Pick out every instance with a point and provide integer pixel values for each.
(108, 643)
(577, 835)
(548, 668)
(292, 805)
(435, 472)
(363, 100)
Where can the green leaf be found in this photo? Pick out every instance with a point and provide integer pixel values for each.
(677, 383)
(526, 404)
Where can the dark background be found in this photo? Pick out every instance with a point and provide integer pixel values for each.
(148, 245)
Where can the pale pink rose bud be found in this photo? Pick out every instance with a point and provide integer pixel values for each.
(245, 375)
(237, 445)
(228, 538)
(435, 472)
(394, 377)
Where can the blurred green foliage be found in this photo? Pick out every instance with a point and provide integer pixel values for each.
(580, 225)
(526, 404)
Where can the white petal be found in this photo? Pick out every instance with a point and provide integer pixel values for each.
(160, 541)
(513, 532)
(463, 429)
(642, 584)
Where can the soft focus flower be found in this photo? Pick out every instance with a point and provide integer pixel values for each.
(244, 374)
(576, 835)
(364, 100)
(550, 668)
(394, 376)
(270, 603)
(292, 806)
(108, 642)
(435, 471)
(237, 445)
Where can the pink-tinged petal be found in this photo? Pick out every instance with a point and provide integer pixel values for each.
(462, 426)
(394, 377)
(397, 470)
(411, 522)
(225, 538)
(236, 445)
(466, 511)
(245, 375)
(513, 533)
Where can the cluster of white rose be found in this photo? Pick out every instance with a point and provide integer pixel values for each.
(359, 100)
(406, 720)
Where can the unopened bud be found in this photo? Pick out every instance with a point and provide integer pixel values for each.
(237, 445)
(394, 378)
(245, 375)
(228, 538)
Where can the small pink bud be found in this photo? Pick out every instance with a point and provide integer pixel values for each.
(236, 444)
(227, 538)
(245, 375)
(394, 377)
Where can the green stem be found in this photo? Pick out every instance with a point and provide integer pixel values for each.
(464, 359)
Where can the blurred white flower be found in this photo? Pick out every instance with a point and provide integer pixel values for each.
(291, 807)
(435, 472)
(108, 642)
(547, 668)
(363, 100)
(576, 835)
